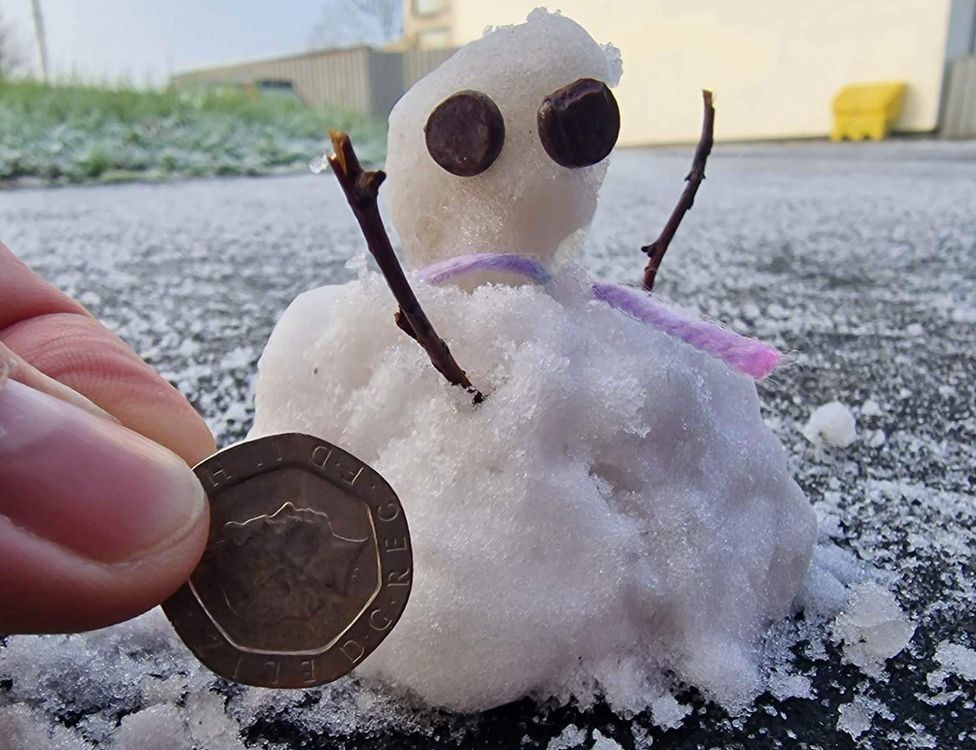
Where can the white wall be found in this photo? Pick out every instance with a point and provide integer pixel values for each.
(774, 65)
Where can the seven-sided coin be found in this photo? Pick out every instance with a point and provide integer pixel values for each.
(307, 569)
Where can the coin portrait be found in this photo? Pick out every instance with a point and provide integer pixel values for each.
(307, 568)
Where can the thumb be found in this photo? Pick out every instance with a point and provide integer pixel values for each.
(97, 523)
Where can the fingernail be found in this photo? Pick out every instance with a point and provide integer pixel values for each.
(89, 485)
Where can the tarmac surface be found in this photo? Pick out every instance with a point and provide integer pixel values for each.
(857, 258)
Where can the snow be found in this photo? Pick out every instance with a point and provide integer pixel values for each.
(783, 685)
(524, 203)
(578, 478)
(955, 659)
(873, 628)
(877, 438)
(139, 670)
(871, 408)
(602, 742)
(571, 736)
(22, 728)
(831, 424)
(667, 712)
(856, 717)
(642, 740)
(158, 727)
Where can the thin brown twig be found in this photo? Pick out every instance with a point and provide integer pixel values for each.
(361, 189)
(403, 324)
(656, 250)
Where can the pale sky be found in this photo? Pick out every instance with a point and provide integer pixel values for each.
(106, 40)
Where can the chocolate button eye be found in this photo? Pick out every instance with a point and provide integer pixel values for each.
(579, 123)
(465, 133)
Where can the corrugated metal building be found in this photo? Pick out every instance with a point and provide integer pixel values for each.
(358, 79)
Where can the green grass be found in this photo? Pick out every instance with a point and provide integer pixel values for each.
(83, 133)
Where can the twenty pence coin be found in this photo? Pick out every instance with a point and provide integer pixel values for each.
(307, 569)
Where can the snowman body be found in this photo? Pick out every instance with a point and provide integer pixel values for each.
(616, 509)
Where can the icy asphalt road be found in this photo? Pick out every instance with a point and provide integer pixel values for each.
(857, 258)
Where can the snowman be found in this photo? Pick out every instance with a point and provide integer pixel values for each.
(613, 516)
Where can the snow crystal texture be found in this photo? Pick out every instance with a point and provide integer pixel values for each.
(615, 508)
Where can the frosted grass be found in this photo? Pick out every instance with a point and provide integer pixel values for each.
(70, 134)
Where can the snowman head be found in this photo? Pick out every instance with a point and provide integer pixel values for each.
(502, 148)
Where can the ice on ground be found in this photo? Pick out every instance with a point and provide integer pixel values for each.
(571, 736)
(833, 571)
(642, 738)
(831, 424)
(919, 739)
(127, 681)
(615, 509)
(873, 628)
(955, 659)
(856, 717)
(783, 685)
(602, 742)
(160, 727)
(23, 728)
(524, 203)
(667, 712)
(871, 408)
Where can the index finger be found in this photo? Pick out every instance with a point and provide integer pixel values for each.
(64, 341)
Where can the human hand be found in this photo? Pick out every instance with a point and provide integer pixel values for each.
(97, 522)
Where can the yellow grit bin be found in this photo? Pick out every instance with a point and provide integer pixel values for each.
(866, 110)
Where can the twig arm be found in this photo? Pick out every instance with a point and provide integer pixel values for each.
(362, 189)
(656, 250)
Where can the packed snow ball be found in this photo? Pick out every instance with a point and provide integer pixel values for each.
(524, 203)
(832, 425)
(616, 508)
